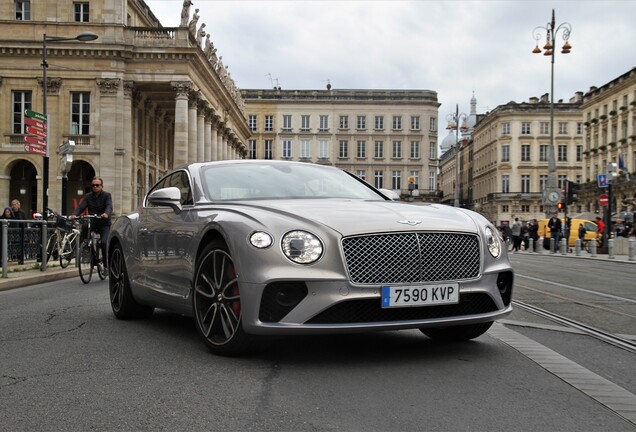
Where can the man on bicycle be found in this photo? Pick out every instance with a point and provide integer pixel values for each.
(100, 203)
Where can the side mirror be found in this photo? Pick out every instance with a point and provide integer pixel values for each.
(166, 197)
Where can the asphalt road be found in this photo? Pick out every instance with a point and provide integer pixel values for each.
(67, 364)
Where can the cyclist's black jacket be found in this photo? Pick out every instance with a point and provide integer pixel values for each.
(96, 205)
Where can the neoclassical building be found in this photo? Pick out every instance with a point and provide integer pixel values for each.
(137, 101)
(386, 137)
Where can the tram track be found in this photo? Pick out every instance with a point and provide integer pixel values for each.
(599, 334)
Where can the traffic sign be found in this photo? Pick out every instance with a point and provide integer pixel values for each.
(602, 180)
(34, 148)
(34, 140)
(603, 200)
(36, 123)
(34, 131)
(35, 115)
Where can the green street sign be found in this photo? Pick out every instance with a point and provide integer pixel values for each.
(35, 115)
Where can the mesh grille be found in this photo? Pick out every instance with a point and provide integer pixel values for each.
(411, 257)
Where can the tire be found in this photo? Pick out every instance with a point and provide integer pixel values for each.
(51, 249)
(216, 302)
(123, 303)
(85, 261)
(67, 253)
(101, 270)
(457, 333)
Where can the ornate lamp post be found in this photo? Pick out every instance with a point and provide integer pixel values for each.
(552, 193)
(82, 37)
(454, 120)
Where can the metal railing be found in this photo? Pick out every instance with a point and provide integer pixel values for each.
(23, 240)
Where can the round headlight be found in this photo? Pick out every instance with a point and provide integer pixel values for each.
(302, 247)
(494, 245)
(261, 240)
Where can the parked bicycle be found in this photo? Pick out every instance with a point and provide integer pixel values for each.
(90, 251)
(61, 244)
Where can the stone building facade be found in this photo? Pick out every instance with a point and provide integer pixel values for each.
(137, 101)
(385, 137)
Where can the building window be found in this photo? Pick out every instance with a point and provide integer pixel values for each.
(251, 122)
(525, 208)
(80, 113)
(80, 12)
(397, 122)
(543, 153)
(563, 153)
(23, 10)
(416, 179)
(431, 182)
(505, 128)
(525, 183)
(415, 123)
(397, 149)
(432, 150)
(324, 123)
(579, 128)
(362, 122)
(378, 179)
(304, 149)
(544, 128)
(579, 153)
(362, 174)
(287, 122)
(396, 180)
(269, 123)
(252, 149)
(287, 149)
(562, 180)
(525, 153)
(525, 128)
(415, 149)
(379, 150)
(505, 153)
(543, 181)
(304, 123)
(344, 122)
(433, 124)
(379, 122)
(21, 101)
(504, 208)
(361, 149)
(505, 183)
(343, 149)
(563, 128)
(268, 149)
(323, 151)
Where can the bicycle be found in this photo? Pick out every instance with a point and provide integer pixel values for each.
(61, 244)
(90, 251)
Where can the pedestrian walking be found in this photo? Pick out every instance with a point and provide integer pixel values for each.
(516, 235)
(555, 230)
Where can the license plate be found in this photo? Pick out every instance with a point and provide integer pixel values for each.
(420, 295)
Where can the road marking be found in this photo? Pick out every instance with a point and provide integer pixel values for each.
(614, 397)
(628, 300)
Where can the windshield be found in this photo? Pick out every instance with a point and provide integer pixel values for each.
(281, 181)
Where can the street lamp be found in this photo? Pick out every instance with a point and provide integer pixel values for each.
(454, 120)
(82, 37)
(552, 192)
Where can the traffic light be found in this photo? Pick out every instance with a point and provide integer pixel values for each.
(573, 191)
(560, 206)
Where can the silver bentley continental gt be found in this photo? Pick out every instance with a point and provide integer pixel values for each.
(252, 248)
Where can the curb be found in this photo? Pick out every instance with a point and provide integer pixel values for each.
(17, 280)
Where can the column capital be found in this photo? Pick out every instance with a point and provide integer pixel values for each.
(108, 86)
(182, 88)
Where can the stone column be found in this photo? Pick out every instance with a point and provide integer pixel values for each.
(201, 107)
(182, 90)
(192, 126)
(219, 142)
(107, 165)
(126, 174)
(208, 135)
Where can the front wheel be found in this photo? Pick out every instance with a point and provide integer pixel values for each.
(122, 301)
(86, 261)
(217, 302)
(99, 261)
(457, 333)
(67, 253)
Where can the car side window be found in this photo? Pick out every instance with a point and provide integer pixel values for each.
(181, 181)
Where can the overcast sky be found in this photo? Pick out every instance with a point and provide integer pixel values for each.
(452, 47)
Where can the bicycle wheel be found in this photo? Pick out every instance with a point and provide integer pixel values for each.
(51, 248)
(99, 259)
(67, 252)
(86, 261)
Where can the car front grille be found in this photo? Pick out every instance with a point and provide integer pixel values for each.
(411, 257)
(371, 311)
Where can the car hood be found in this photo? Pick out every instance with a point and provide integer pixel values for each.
(350, 217)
